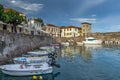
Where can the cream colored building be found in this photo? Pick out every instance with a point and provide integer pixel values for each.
(5, 27)
(86, 28)
(34, 27)
(53, 30)
(70, 31)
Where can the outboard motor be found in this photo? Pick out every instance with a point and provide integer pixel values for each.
(52, 60)
(51, 55)
(53, 63)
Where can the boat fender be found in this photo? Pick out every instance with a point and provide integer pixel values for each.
(40, 78)
(34, 77)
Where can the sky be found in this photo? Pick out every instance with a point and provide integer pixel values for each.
(103, 14)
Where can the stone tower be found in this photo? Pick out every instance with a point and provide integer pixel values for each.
(86, 29)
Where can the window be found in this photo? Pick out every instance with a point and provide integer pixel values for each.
(83, 25)
(32, 32)
(4, 27)
(20, 30)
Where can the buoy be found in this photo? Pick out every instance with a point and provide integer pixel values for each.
(34, 77)
(40, 78)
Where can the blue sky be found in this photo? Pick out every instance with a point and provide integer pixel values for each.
(103, 14)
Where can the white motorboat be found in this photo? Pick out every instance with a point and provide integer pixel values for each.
(30, 60)
(25, 70)
(92, 41)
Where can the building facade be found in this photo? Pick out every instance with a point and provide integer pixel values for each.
(53, 30)
(70, 31)
(8, 27)
(34, 27)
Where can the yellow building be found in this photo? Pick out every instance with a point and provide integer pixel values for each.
(70, 31)
(53, 30)
(86, 28)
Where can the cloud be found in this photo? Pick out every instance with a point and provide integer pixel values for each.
(93, 15)
(109, 23)
(13, 1)
(91, 20)
(26, 5)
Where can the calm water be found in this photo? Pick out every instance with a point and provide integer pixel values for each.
(83, 63)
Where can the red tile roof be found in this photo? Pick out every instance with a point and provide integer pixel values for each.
(51, 25)
(68, 27)
(85, 23)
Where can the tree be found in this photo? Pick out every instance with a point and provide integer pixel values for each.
(1, 11)
(40, 20)
(12, 17)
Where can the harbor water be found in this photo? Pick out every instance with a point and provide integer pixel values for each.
(91, 62)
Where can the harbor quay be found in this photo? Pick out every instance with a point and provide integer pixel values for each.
(108, 38)
(12, 44)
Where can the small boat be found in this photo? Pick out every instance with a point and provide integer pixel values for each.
(55, 45)
(25, 70)
(48, 48)
(92, 41)
(30, 60)
(38, 53)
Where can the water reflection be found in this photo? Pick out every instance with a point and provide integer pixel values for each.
(45, 77)
(84, 52)
(92, 62)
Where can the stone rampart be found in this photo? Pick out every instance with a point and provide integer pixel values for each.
(13, 44)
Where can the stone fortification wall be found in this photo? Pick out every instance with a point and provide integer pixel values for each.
(107, 36)
(13, 44)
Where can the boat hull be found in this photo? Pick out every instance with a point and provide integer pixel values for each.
(26, 73)
(92, 42)
(26, 70)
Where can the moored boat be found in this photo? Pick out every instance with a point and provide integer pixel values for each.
(48, 48)
(30, 60)
(25, 70)
(92, 41)
(38, 53)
